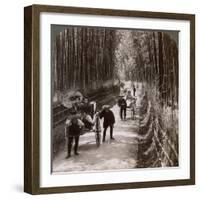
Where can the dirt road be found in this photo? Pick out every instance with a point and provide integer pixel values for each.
(120, 153)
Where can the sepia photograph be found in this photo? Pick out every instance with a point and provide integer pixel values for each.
(114, 99)
(109, 99)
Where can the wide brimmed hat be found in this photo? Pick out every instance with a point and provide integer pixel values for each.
(105, 106)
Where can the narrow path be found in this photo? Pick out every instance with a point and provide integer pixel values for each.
(120, 153)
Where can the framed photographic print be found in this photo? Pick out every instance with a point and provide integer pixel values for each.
(109, 99)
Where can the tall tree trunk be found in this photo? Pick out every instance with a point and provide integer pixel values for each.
(161, 71)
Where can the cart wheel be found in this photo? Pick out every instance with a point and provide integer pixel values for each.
(98, 139)
(66, 137)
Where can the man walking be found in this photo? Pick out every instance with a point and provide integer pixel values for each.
(134, 90)
(109, 120)
(73, 127)
(123, 105)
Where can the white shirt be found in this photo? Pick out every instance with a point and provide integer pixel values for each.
(69, 123)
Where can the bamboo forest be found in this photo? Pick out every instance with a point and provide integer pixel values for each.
(131, 75)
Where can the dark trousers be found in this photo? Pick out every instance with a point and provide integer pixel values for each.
(123, 112)
(70, 142)
(134, 92)
(104, 132)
